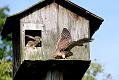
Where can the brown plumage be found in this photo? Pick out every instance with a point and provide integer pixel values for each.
(31, 51)
(34, 41)
(65, 40)
(65, 44)
(62, 44)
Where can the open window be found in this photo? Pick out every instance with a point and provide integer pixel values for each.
(33, 38)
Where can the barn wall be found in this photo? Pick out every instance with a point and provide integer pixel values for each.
(51, 20)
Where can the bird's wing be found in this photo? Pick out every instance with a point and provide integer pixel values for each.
(30, 37)
(65, 39)
(80, 42)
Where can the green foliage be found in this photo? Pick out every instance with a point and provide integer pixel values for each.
(3, 16)
(5, 70)
(5, 50)
(93, 71)
(6, 44)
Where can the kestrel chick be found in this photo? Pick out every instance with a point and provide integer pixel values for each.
(34, 41)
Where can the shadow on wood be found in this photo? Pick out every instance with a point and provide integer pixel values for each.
(52, 70)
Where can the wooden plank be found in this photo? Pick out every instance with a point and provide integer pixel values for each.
(54, 75)
(50, 30)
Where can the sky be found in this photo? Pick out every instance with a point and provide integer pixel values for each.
(104, 48)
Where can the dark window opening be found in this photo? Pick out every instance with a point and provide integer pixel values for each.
(33, 38)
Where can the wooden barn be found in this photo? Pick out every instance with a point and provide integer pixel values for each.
(35, 35)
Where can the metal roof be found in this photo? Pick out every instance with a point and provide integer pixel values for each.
(94, 20)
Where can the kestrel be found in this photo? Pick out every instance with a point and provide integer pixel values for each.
(34, 41)
(65, 44)
(31, 51)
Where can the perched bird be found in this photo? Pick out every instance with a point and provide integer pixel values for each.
(31, 51)
(65, 44)
(33, 41)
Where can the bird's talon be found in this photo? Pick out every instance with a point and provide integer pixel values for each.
(63, 56)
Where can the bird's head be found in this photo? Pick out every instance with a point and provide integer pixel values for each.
(37, 38)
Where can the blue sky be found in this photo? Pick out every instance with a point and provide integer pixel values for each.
(105, 46)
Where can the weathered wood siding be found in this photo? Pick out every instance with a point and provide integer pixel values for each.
(51, 20)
